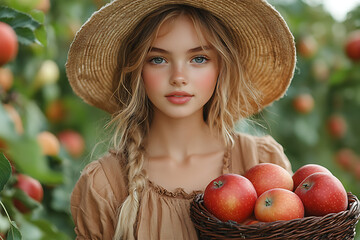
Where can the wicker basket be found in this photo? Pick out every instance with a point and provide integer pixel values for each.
(332, 226)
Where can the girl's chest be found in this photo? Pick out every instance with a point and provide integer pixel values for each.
(192, 174)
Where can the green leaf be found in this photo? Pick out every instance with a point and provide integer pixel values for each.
(339, 76)
(14, 233)
(28, 202)
(5, 171)
(30, 160)
(23, 24)
(25, 35)
(41, 36)
(38, 15)
(34, 119)
(40, 32)
(22, 5)
(44, 229)
(7, 129)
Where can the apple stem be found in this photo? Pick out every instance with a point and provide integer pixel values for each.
(268, 202)
(218, 184)
(306, 186)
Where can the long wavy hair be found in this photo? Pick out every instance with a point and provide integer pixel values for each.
(131, 123)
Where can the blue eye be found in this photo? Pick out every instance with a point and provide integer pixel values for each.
(157, 60)
(200, 59)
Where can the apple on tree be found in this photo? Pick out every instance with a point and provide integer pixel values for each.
(345, 157)
(265, 176)
(48, 143)
(352, 46)
(356, 170)
(303, 103)
(43, 5)
(322, 193)
(31, 187)
(307, 46)
(2, 235)
(278, 204)
(6, 79)
(15, 118)
(337, 126)
(73, 142)
(8, 43)
(56, 111)
(230, 197)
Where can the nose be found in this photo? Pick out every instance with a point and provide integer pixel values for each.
(178, 76)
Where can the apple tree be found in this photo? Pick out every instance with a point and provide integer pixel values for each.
(44, 129)
(49, 134)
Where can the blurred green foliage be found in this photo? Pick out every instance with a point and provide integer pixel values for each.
(323, 71)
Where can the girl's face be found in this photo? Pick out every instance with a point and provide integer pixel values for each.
(181, 70)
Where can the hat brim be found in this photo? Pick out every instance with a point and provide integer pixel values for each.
(267, 52)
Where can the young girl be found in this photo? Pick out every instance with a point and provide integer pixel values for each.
(176, 75)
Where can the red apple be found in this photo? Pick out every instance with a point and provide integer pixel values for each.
(278, 204)
(73, 142)
(230, 197)
(305, 171)
(265, 176)
(307, 46)
(31, 187)
(356, 170)
(322, 193)
(3, 236)
(337, 126)
(303, 103)
(345, 157)
(8, 43)
(250, 220)
(56, 111)
(352, 46)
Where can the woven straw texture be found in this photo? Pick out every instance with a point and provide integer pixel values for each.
(267, 52)
(331, 226)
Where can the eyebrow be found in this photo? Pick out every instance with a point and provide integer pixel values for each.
(192, 50)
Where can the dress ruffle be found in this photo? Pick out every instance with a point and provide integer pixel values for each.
(180, 192)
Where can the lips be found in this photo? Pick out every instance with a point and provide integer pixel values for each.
(179, 97)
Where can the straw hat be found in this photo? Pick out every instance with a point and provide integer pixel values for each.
(268, 51)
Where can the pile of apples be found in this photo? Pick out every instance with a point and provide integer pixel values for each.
(268, 193)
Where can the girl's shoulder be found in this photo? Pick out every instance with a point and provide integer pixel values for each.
(105, 176)
(258, 149)
(264, 142)
(97, 195)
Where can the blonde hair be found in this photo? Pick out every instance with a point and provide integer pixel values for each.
(131, 123)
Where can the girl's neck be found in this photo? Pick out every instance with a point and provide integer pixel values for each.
(181, 137)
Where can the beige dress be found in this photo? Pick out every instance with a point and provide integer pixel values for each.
(163, 214)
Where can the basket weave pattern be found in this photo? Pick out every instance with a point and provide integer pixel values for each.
(331, 226)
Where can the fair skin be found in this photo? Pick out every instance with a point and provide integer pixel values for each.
(180, 77)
